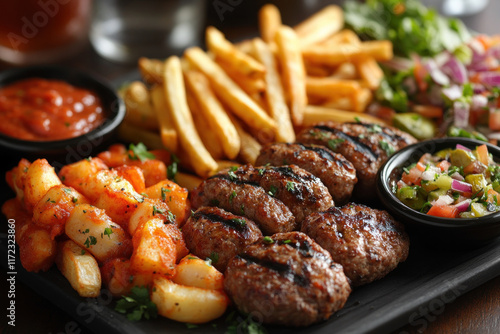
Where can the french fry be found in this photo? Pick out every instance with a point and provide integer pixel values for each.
(359, 104)
(249, 85)
(222, 48)
(370, 72)
(269, 22)
(320, 25)
(175, 94)
(316, 114)
(128, 132)
(250, 147)
(140, 110)
(188, 181)
(80, 268)
(229, 92)
(292, 66)
(274, 93)
(346, 71)
(317, 70)
(207, 135)
(168, 133)
(379, 50)
(328, 87)
(151, 70)
(345, 36)
(214, 113)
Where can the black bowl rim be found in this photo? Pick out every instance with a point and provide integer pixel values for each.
(394, 204)
(115, 114)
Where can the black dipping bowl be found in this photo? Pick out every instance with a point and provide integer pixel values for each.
(60, 152)
(436, 231)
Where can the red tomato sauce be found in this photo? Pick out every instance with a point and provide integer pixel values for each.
(43, 110)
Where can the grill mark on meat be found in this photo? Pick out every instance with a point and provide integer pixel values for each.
(284, 270)
(234, 223)
(391, 136)
(295, 191)
(288, 171)
(235, 180)
(360, 147)
(321, 151)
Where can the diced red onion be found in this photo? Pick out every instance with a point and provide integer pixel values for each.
(428, 175)
(462, 147)
(457, 176)
(456, 70)
(478, 53)
(444, 200)
(453, 92)
(494, 51)
(436, 74)
(490, 78)
(461, 186)
(461, 114)
(463, 206)
(478, 88)
(479, 101)
(479, 66)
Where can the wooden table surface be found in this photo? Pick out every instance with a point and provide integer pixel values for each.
(477, 311)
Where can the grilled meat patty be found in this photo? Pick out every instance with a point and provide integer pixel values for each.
(214, 233)
(287, 279)
(367, 242)
(276, 198)
(366, 146)
(333, 169)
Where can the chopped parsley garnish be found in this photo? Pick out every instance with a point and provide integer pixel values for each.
(214, 256)
(232, 175)
(74, 199)
(232, 196)
(67, 190)
(164, 192)
(157, 210)
(240, 325)
(261, 171)
(290, 186)
(137, 305)
(108, 231)
(172, 169)
(91, 240)
(273, 190)
(334, 143)
(287, 241)
(268, 240)
(388, 148)
(140, 152)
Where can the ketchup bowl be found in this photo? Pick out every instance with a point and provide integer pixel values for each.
(461, 233)
(111, 112)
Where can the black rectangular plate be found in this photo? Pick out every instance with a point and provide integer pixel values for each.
(424, 284)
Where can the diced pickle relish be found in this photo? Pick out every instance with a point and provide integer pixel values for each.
(452, 183)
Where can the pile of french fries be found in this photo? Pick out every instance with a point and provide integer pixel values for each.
(215, 107)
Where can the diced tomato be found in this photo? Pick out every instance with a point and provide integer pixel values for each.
(445, 211)
(485, 40)
(421, 165)
(444, 165)
(493, 197)
(494, 120)
(482, 154)
(413, 177)
(419, 72)
(428, 111)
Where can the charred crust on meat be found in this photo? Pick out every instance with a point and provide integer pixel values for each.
(360, 147)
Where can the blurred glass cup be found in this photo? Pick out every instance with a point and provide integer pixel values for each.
(463, 7)
(125, 30)
(42, 31)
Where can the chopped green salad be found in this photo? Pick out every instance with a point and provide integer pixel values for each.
(453, 183)
(447, 78)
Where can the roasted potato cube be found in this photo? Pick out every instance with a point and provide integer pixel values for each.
(80, 268)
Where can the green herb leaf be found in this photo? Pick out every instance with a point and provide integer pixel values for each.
(137, 305)
(164, 192)
(157, 210)
(173, 168)
(232, 196)
(140, 151)
(268, 240)
(333, 143)
(290, 186)
(272, 190)
(108, 231)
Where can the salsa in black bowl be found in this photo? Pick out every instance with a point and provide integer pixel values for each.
(465, 232)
